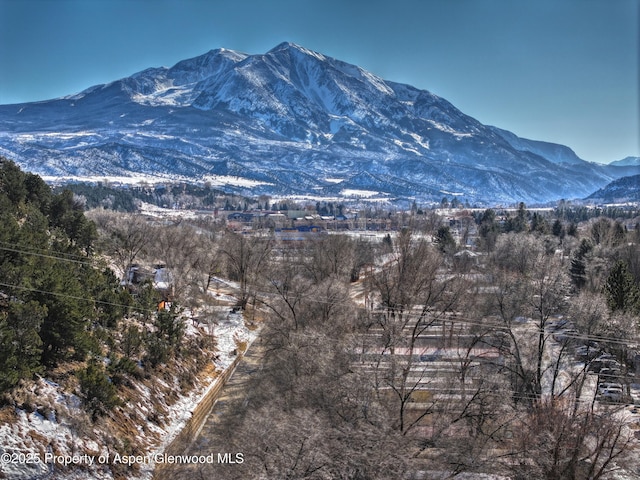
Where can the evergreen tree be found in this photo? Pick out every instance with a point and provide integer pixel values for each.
(51, 311)
(557, 230)
(578, 268)
(9, 374)
(12, 182)
(445, 241)
(539, 224)
(111, 300)
(578, 271)
(100, 395)
(620, 290)
(132, 341)
(519, 222)
(68, 215)
(25, 320)
(164, 342)
(65, 330)
(489, 229)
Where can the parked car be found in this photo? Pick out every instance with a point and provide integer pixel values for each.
(606, 356)
(611, 394)
(609, 372)
(434, 357)
(605, 360)
(606, 385)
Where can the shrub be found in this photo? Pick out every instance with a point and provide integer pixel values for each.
(99, 394)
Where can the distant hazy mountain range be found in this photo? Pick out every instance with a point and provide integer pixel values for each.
(627, 162)
(290, 122)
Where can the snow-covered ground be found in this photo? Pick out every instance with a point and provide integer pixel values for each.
(29, 439)
(58, 431)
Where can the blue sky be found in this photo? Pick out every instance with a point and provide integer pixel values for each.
(564, 71)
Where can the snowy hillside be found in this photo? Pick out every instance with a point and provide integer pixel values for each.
(291, 121)
(625, 189)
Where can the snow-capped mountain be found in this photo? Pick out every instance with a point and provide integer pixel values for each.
(627, 162)
(292, 121)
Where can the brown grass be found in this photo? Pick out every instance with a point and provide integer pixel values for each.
(8, 415)
(209, 372)
(420, 396)
(37, 437)
(241, 344)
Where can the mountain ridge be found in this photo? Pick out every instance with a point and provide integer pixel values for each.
(625, 189)
(627, 162)
(296, 117)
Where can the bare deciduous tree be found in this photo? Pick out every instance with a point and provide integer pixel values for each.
(246, 257)
(413, 297)
(556, 442)
(125, 237)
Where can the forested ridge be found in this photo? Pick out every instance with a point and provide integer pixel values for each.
(55, 293)
(128, 198)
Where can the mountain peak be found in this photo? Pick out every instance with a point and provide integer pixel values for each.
(284, 46)
(290, 47)
(288, 119)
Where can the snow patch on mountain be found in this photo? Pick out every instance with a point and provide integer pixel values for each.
(285, 121)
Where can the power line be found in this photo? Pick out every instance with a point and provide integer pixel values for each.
(313, 299)
(75, 297)
(42, 255)
(307, 296)
(22, 247)
(495, 326)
